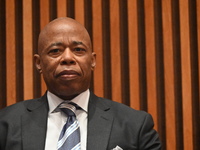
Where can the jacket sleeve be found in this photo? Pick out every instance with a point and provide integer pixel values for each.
(148, 137)
(3, 135)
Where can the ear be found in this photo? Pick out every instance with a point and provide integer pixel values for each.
(37, 63)
(93, 64)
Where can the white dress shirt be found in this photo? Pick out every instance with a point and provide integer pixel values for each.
(56, 120)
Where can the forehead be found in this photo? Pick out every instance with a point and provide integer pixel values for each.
(65, 32)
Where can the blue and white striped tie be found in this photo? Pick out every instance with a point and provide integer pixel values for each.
(70, 135)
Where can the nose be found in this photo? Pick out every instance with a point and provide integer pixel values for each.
(67, 58)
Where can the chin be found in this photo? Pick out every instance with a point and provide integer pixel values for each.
(69, 92)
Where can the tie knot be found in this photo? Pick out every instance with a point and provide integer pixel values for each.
(68, 108)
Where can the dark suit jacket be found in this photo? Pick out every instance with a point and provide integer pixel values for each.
(23, 126)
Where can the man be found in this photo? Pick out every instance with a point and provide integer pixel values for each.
(66, 61)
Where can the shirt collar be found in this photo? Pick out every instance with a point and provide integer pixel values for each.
(81, 100)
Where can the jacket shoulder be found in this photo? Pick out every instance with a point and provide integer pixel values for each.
(15, 109)
(120, 108)
(20, 108)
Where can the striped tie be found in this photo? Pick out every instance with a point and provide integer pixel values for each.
(70, 135)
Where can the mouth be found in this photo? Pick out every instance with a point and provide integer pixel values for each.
(68, 75)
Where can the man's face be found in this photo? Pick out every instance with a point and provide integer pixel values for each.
(65, 59)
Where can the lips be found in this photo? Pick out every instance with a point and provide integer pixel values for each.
(68, 74)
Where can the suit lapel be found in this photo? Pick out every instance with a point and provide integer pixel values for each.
(35, 122)
(99, 124)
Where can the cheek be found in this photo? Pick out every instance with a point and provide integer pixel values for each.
(48, 66)
(87, 68)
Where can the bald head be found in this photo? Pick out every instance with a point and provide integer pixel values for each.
(67, 26)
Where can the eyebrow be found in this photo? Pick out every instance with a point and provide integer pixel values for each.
(61, 44)
(55, 44)
(78, 43)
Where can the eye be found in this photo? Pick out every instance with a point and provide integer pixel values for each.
(79, 49)
(54, 51)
